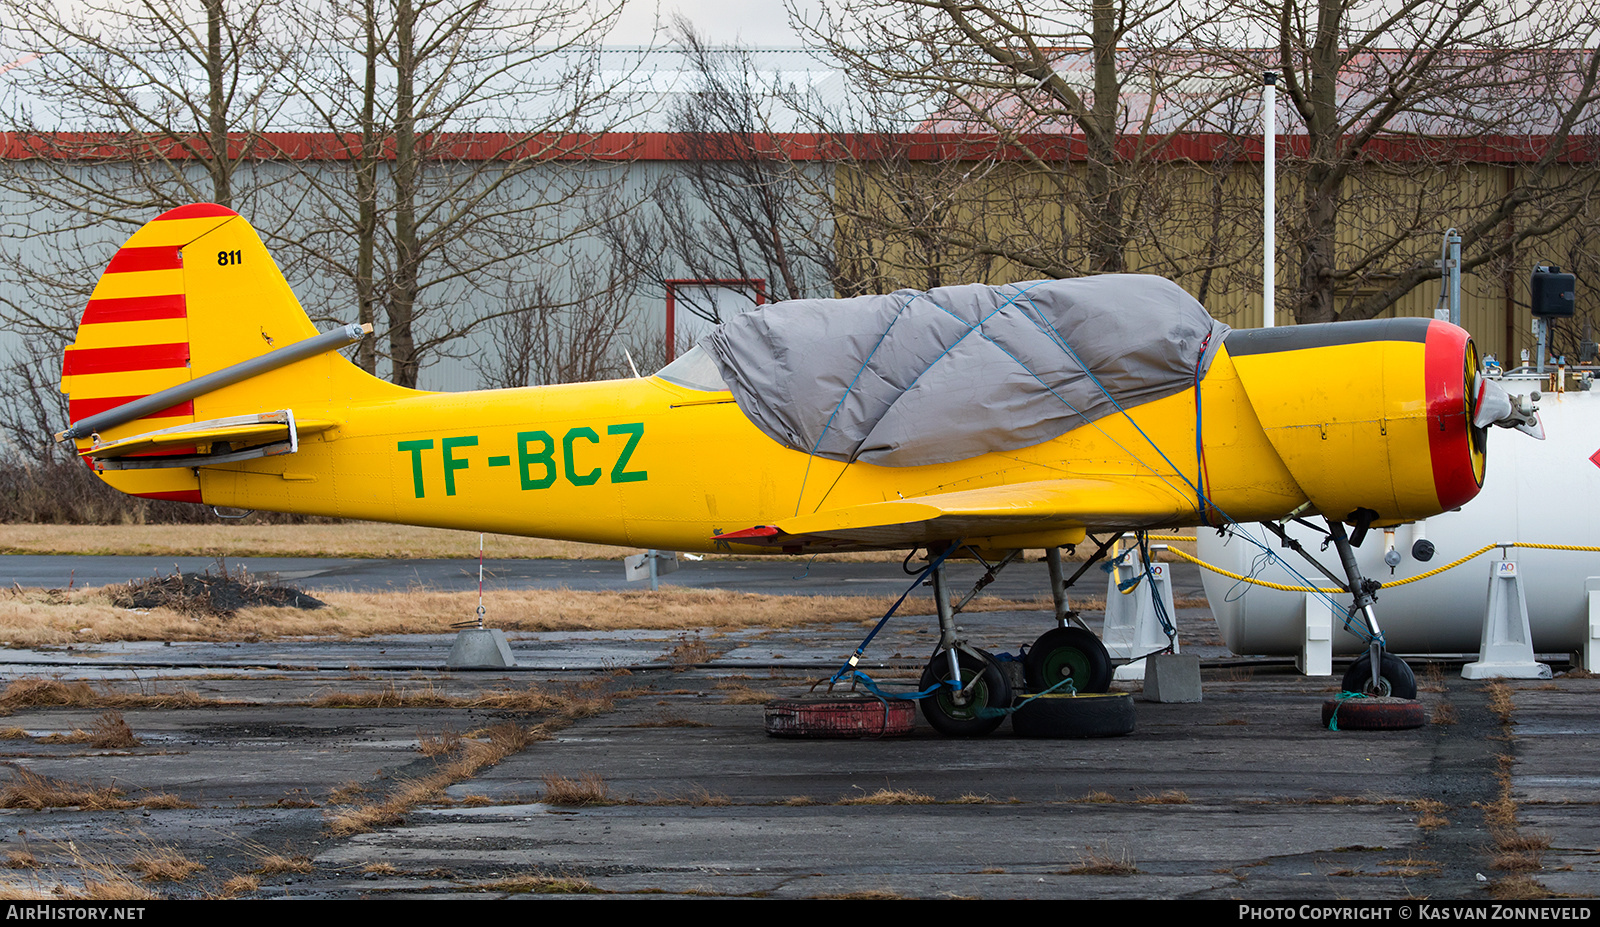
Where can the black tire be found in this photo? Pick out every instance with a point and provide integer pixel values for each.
(986, 708)
(1075, 716)
(1063, 652)
(1395, 675)
(1374, 713)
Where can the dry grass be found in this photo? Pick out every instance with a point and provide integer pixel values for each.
(1099, 862)
(890, 797)
(530, 699)
(1500, 701)
(35, 792)
(1430, 813)
(543, 885)
(444, 743)
(668, 719)
(1169, 797)
(282, 864)
(1444, 713)
(587, 789)
(14, 733)
(35, 617)
(1411, 867)
(1098, 797)
(868, 894)
(688, 652)
(111, 731)
(54, 693)
(1518, 887)
(1432, 679)
(487, 748)
(738, 694)
(239, 885)
(21, 859)
(163, 864)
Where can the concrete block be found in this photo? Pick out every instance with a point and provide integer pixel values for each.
(480, 648)
(1172, 677)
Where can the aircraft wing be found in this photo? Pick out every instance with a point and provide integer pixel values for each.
(1043, 513)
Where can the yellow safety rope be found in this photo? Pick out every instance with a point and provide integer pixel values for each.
(1389, 585)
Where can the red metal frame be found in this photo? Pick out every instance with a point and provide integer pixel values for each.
(759, 284)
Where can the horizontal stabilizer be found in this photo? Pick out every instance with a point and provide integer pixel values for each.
(1038, 514)
(219, 440)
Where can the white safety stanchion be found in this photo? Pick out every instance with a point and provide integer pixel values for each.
(1316, 650)
(1132, 628)
(1591, 642)
(1506, 649)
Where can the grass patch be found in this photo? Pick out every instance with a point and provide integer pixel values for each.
(890, 797)
(1099, 862)
(587, 789)
(444, 743)
(54, 693)
(1169, 797)
(282, 864)
(164, 864)
(495, 744)
(36, 617)
(543, 885)
(111, 731)
(35, 792)
(239, 885)
(1430, 813)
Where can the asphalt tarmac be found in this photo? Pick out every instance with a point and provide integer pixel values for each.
(1240, 796)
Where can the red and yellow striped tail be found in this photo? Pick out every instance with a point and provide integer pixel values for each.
(191, 292)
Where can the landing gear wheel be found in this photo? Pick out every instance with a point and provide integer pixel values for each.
(985, 704)
(1075, 716)
(1063, 652)
(1394, 676)
(1375, 713)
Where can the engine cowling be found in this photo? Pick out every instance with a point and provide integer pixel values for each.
(1383, 421)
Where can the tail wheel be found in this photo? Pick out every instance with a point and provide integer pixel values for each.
(1068, 652)
(976, 712)
(1394, 677)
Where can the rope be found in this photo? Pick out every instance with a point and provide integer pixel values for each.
(1389, 585)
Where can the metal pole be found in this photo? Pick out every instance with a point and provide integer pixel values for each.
(1269, 222)
(1453, 239)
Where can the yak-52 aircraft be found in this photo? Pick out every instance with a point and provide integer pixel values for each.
(973, 418)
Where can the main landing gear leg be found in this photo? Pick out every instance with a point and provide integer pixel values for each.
(1376, 672)
(972, 693)
(1069, 651)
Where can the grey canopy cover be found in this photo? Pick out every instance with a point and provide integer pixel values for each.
(917, 378)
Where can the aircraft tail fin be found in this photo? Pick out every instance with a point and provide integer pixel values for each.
(192, 323)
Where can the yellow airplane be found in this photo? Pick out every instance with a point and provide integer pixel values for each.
(196, 376)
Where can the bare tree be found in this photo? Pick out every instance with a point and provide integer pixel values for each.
(122, 109)
(734, 202)
(552, 340)
(1405, 109)
(117, 110)
(1063, 115)
(469, 127)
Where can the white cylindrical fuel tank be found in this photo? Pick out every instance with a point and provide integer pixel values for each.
(1543, 492)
